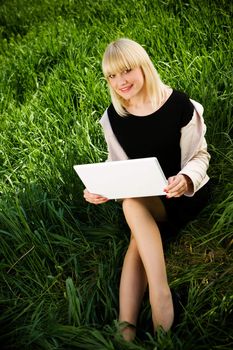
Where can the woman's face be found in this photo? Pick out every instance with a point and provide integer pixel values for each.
(128, 83)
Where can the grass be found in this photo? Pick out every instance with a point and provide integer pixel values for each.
(61, 258)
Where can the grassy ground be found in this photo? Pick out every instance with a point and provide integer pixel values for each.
(60, 258)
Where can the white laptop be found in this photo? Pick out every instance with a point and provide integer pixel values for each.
(123, 178)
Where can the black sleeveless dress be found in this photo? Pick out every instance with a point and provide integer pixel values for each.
(158, 135)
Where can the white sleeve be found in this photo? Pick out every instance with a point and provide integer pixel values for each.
(194, 155)
(115, 151)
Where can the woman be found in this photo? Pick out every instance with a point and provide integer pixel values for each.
(146, 119)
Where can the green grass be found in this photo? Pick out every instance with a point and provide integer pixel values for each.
(60, 257)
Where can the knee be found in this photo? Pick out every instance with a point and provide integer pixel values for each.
(133, 244)
(129, 203)
(133, 249)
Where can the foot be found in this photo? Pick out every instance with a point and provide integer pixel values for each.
(127, 330)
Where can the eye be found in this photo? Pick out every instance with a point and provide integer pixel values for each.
(127, 70)
(111, 76)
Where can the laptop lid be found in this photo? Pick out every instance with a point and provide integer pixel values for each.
(124, 178)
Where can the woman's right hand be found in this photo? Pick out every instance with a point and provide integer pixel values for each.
(94, 198)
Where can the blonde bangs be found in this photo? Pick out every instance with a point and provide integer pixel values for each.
(117, 58)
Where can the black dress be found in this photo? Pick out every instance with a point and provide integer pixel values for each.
(158, 135)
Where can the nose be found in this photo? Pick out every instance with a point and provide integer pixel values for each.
(121, 80)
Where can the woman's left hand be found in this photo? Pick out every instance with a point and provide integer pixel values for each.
(177, 185)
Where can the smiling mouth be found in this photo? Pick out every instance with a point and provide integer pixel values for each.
(125, 89)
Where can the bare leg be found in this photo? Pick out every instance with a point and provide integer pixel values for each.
(132, 288)
(140, 214)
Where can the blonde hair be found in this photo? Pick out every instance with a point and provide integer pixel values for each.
(127, 54)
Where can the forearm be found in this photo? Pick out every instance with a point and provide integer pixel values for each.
(196, 172)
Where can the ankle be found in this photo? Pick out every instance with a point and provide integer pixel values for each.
(127, 330)
(162, 312)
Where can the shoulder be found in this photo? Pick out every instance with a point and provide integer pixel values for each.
(108, 111)
(182, 98)
(185, 106)
(104, 118)
(198, 107)
(112, 113)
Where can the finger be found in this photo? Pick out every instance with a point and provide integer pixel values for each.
(177, 193)
(90, 195)
(94, 198)
(177, 188)
(171, 180)
(99, 201)
(172, 183)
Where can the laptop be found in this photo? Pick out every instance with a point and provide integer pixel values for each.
(123, 178)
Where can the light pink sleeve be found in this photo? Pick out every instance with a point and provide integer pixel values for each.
(194, 155)
(115, 151)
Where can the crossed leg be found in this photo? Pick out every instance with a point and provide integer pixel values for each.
(144, 264)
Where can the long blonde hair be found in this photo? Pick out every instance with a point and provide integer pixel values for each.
(127, 54)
